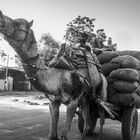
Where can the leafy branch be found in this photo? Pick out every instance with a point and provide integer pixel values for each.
(78, 27)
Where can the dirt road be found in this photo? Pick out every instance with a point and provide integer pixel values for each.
(21, 121)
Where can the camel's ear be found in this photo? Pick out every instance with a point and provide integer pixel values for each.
(30, 23)
(1, 14)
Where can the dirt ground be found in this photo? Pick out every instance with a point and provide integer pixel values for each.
(26, 117)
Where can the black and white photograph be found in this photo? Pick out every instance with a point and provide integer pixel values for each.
(69, 70)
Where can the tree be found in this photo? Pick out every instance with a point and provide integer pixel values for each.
(49, 41)
(77, 27)
(3, 55)
(8, 54)
(50, 47)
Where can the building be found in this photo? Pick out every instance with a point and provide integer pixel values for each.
(13, 79)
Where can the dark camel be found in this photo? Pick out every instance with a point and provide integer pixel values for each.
(56, 84)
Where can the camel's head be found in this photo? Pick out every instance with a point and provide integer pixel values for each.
(14, 29)
(19, 35)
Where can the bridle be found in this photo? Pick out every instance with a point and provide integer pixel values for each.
(6, 36)
(30, 62)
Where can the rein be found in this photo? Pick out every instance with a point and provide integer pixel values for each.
(30, 63)
(27, 62)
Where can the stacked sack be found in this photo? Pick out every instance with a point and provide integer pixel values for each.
(122, 73)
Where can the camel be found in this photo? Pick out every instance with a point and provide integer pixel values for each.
(57, 84)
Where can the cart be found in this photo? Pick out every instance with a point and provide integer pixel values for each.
(128, 116)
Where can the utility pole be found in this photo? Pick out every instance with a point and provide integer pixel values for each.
(6, 73)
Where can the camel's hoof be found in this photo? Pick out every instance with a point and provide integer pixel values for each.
(54, 138)
(64, 138)
(89, 133)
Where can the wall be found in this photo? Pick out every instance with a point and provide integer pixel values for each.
(17, 80)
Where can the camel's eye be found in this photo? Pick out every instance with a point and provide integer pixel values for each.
(17, 24)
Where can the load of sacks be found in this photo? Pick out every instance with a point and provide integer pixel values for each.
(122, 71)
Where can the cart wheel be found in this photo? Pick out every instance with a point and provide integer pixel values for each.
(81, 124)
(129, 123)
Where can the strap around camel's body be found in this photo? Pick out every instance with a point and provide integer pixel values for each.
(61, 63)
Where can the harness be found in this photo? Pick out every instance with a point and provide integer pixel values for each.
(30, 63)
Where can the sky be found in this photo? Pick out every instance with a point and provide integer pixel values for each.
(120, 19)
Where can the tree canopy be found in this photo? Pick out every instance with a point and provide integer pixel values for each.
(49, 41)
(50, 46)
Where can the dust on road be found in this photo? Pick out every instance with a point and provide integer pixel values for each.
(27, 118)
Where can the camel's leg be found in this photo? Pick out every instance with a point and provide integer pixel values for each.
(86, 117)
(103, 90)
(54, 114)
(103, 94)
(70, 113)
